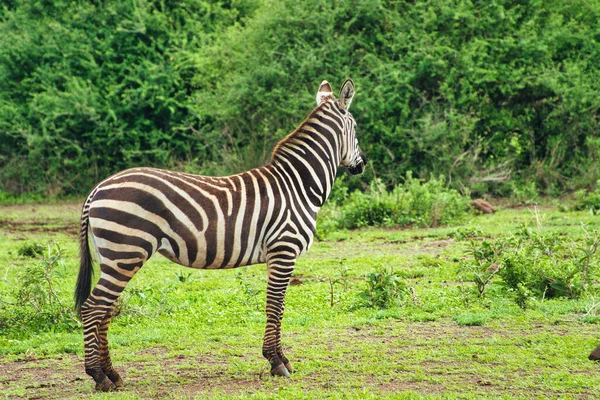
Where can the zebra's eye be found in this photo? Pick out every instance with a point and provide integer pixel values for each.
(343, 111)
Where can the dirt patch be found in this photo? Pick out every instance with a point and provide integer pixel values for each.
(38, 226)
(398, 386)
(36, 379)
(439, 243)
(406, 247)
(44, 218)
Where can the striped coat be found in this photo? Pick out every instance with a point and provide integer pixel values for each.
(265, 215)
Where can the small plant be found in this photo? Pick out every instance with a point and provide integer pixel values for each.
(524, 193)
(535, 264)
(592, 308)
(34, 302)
(340, 278)
(384, 288)
(523, 296)
(466, 233)
(588, 200)
(32, 250)
(182, 276)
(471, 319)
(251, 293)
(484, 263)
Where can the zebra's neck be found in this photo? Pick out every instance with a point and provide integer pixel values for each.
(309, 156)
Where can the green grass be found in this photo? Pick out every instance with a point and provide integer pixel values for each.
(184, 333)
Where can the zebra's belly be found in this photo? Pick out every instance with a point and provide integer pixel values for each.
(211, 258)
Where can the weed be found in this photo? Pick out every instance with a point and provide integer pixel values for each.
(523, 296)
(429, 261)
(412, 273)
(250, 292)
(31, 249)
(524, 193)
(182, 276)
(340, 278)
(591, 319)
(484, 263)
(588, 200)
(471, 319)
(33, 302)
(592, 309)
(384, 288)
(466, 233)
(535, 264)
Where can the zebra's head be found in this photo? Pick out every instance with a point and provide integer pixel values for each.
(351, 156)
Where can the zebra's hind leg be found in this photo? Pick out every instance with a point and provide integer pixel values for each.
(279, 272)
(93, 312)
(96, 313)
(105, 362)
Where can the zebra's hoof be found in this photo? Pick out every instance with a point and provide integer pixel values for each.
(280, 370)
(288, 366)
(116, 379)
(106, 385)
(119, 383)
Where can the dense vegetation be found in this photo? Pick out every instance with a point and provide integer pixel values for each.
(497, 96)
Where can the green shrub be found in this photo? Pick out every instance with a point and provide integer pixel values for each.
(89, 88)
(524, 193)
(464, 233)
(588, 200)
(384, 288)
(251, 293)
(415, 202)
(34, 303)
(483, 264)
(535, 264)
(29, 249)
(483, 92)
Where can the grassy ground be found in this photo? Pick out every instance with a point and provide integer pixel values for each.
(184, 333)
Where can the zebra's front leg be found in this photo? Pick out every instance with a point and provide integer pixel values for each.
(279, 272)
(283, 358)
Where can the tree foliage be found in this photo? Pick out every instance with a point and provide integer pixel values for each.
(486, 93)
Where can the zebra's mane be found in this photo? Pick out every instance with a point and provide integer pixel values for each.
(292, 135)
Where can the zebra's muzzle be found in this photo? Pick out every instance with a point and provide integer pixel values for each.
(359, 167)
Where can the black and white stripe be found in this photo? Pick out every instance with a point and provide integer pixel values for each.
(265, 215)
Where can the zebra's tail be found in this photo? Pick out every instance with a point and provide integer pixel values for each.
(86, 270)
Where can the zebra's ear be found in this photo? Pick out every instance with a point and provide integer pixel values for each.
(346, 93)
(324, 92)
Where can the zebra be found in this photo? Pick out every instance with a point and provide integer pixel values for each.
(264, 215)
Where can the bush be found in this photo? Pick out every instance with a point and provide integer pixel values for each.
(483, 92)
(418, 203)
(384, 288)
(34, 303)
(87, 89)
(588, 200)
(29, 249)
(534, 264)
